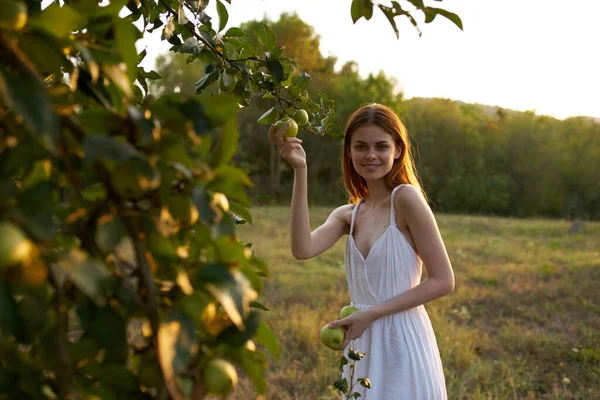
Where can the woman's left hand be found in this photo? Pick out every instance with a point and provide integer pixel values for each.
(354, 325)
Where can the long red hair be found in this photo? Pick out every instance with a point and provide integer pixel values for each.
(403, 170)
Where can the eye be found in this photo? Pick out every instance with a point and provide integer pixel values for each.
(383, 146)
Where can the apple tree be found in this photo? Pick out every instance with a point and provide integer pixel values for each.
(121, 274)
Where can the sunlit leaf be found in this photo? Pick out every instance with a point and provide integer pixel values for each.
(59, 21)
(126, 35)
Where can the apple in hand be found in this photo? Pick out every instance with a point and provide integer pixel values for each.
(332, 337)
(346, 311)
(292, 129)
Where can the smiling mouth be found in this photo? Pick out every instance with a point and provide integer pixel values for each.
(371, 165)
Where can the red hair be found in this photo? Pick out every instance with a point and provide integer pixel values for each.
(403, 170)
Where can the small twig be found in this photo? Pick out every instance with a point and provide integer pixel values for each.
(146, 279)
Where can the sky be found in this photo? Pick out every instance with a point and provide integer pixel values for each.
(526, 55)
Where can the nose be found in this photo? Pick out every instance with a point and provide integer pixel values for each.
(371, 154)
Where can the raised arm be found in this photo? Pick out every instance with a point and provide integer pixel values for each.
(306, 244)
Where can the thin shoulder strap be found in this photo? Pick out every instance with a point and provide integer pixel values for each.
(392, 210)
(354, 216)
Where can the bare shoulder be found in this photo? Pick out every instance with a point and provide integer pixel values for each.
(409, 197)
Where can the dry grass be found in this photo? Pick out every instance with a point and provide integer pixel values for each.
(523, 322)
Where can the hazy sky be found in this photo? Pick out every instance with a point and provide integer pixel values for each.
(521, 54)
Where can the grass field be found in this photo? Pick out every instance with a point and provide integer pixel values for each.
(522, 323)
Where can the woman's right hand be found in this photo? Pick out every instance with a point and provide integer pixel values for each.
(290, 148)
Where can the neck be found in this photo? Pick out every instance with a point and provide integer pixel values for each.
(378, 192)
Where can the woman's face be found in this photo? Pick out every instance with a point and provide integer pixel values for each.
(373, 152)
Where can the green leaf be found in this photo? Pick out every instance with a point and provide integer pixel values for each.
(126, 34)
(265, 336)
(233, 174)
(432, 12)
(228, 287)
(177, 346)
(276, 69)
(223, 15)
(109, 233)
(341, 385)
(59, 21)
(254, 365)
(100, 147)
(236, 337)
(389, 14)
(205, 81)
(141, 56)
(88, 274)
(302, 81)
(202, 203)
(240, 211)
(356, 395)
(269, 117)
(45, 51)
(207, 37)
(343, 362)
(234, 32)
(260, 265)
(152, 75)
(248, 49)
(227, 145)
(261, 35)
(259, 306)
(270, 38)
(417, 3)
(26, 97)
(355, 355)
(361, 8)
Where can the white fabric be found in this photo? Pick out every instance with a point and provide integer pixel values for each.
(402, 358)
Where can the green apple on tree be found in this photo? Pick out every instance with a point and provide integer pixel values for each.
(300, 116)
(15, 247)
(292, 129)
(13, 15)
(346, 311)
(332, 337)
(219, 377)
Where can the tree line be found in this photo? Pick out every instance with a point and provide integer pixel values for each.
(472, 158)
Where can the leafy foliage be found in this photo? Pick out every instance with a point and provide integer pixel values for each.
(124, 276)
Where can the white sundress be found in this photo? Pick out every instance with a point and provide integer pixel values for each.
(402, 358)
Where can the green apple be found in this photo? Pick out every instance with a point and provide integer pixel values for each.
(332, 337)
(291, 131)
(15, 247)
(346, 311)
(13, 15)
(219, 376)
(300, 116)
(227, 81)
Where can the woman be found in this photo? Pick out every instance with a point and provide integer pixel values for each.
(392, 233)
